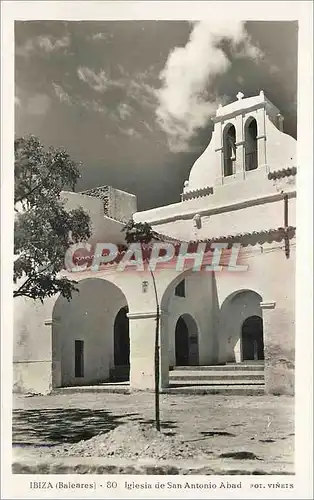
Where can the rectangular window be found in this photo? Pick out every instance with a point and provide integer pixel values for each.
(79, 358)
(180, 289)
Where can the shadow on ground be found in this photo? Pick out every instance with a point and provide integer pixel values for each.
(53, 427)
(57, 426)
(165, 424)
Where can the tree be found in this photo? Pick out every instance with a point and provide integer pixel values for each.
(43, 229)
(141, 232)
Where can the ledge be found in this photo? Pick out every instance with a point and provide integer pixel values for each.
(216, 210)
(145, 314)
(21, 361)
(50, 321)
(236, 112)
(268, 305)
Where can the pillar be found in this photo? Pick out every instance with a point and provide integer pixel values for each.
(240, 170)
(142, 350)
(261, 138)
(56, 379)
(278, 326)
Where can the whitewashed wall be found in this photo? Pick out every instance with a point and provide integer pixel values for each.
(89, 317)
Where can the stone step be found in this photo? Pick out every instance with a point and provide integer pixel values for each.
(215, 375)
(188, 387)
(228, 367)
(232, 390)
(113, 388)
(196, 383)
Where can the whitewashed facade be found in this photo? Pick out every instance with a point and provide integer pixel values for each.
(241, 189)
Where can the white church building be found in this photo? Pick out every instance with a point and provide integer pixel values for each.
(242, 190)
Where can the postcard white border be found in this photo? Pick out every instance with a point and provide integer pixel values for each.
(16, 487)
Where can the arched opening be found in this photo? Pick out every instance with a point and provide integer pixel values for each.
(186, 341)
(121, 346)
(252, 339)
(251, 144)
(234, 342)
(83, 333)
(229, 150)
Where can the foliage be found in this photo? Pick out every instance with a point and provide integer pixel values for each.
(138, 232)
(43, 228)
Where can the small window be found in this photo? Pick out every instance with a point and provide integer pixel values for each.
(79, 358)
(180, 289)
(251, 157)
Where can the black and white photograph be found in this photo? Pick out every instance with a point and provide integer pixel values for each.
(153, 265)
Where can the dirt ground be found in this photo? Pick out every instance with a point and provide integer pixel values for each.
(236, 428)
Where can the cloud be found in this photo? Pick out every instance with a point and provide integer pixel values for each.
(124, 110)
(97, 81)
(90, 105)
(185, 102)
(62, 95)
(247, 51)
(130, 132)
(101, 36)
(49, 44)
(147, 126)
(142, 92)
(136, 87)
(94, 106)
(44, 43)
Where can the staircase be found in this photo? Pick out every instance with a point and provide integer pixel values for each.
(241, 379)
(234, 379)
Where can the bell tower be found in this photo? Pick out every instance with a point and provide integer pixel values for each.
(240, 133)
(247, 138)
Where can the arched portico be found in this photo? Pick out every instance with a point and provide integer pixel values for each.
(83, 333)
(197, 310)
(77, 337)
(236, 332)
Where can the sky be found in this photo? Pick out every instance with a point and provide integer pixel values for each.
(133, 100)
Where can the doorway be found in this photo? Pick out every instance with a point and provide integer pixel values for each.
(252, 339)
(186, 341)
(121, 346)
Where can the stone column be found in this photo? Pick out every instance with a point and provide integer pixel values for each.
(240, 153)
(142, 350)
